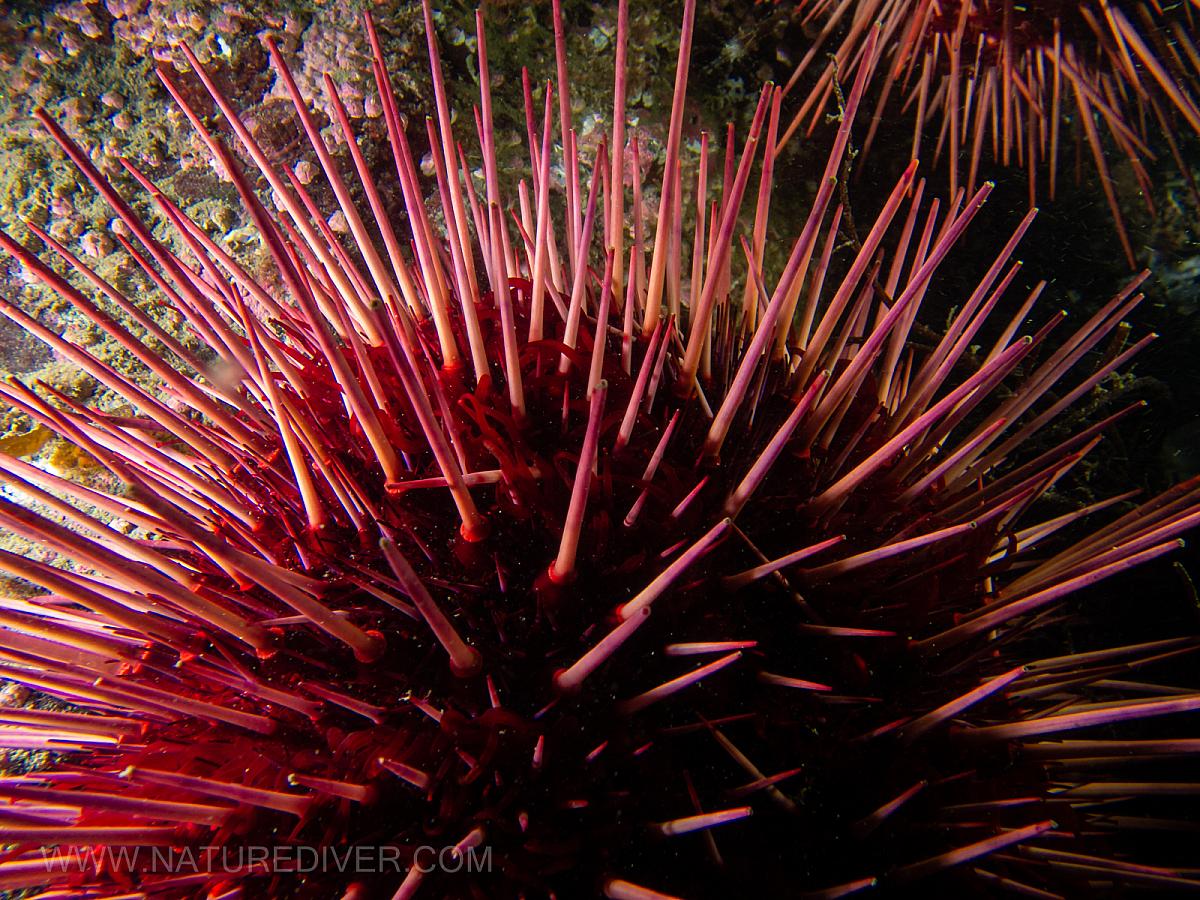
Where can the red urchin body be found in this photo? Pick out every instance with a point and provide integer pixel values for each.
(1021, 81)
(489, 540)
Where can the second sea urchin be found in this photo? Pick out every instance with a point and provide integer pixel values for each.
(643, 582)
(1021, 82)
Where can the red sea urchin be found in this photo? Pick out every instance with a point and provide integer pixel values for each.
(1013, 76)
(500, 546)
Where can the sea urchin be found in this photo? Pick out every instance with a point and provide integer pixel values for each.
(495, 537)
(1021, 79)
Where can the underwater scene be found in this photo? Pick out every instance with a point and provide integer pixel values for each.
(599, 449)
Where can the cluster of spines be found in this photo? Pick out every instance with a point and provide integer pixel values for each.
(283, 496)
(966, 68)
